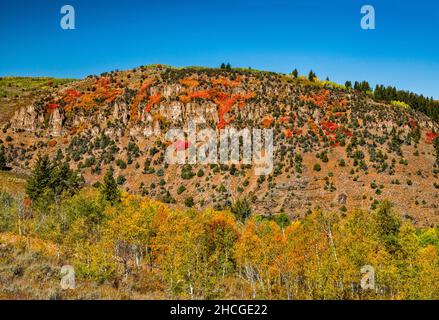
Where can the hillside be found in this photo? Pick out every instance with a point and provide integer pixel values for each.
(334, 148)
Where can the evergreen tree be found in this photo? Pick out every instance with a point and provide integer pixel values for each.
(436, 147)
(228, 66)
(348, 85)
(241, 209)
(311, 76)
(110, 192)
(387, 223)
(64, 179)
(2, 158)
(223, 65)
(295, 73)
(40, 178)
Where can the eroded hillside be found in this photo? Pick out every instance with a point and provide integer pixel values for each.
(333, 148)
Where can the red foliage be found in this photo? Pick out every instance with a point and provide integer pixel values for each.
(53, 106)
(318, 99)
(285, 120)
(73, 93)
(141, 95)
(181, 145)
(225, 102)
(413, 123)
(288, 133)
(329, 126)
(431, 136)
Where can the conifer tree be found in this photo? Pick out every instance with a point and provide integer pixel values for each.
(241, 209)
(40, 178)
(295, 73)
(110, 191)
(2, 159)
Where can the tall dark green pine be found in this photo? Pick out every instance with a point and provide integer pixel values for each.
(241, 209)
(40, 178)
(311, 76)
(295, 73)
(436, 147)
(223, 65)
(110, 192)
(2, 159)
(228, 66)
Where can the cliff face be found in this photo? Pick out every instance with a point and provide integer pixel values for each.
(332, 147)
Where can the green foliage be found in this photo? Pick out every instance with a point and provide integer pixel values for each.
(312, 76)
(2, 158)
(241, 209)
(388, 224)
(189, 202)
(109, 190)
(436, 148)
(295, 73)
(52, 179)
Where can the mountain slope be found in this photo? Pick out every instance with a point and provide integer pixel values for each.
(333, 148)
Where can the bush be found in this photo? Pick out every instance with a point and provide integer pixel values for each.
(189, 202)
(317, 167)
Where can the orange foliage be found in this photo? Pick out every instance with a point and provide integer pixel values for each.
(318, 99)
(267, 121)
(226, 82)
(154, 99)
(225, 102)
(88, 100)
(141, 95)
(285, 120)
(52, 143)
(288, 133)
(189, 82)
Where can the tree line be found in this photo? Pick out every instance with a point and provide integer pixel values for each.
(110, 236)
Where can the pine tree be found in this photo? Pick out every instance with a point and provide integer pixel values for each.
(241, 209)
(228, 66)
(311, 76)
(295, 73)
(387, 224)
(436, 147)
(223, 65)
(2, 159)
(348, 85)
(110, 192)
(40, 178)
(64, 179)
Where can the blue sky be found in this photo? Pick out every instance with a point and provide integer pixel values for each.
(275, 35)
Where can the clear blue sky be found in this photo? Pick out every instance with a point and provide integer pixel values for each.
(276, 35)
